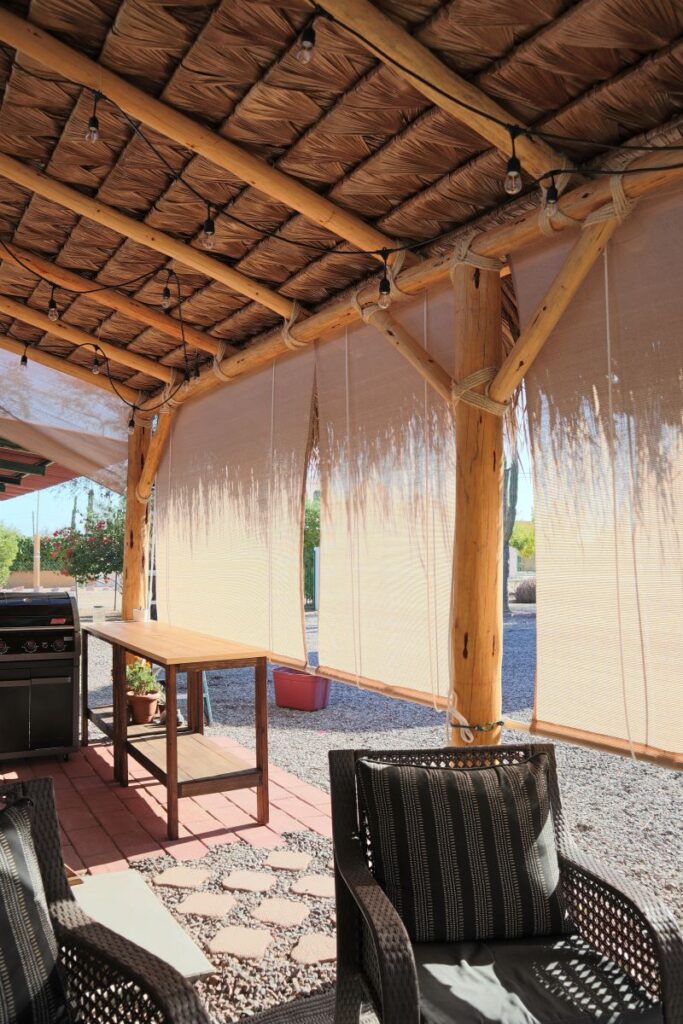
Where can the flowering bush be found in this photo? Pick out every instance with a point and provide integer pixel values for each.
(93, 552)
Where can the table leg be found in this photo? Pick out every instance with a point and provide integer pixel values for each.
(261, 706)
(84, 690)
(172, 753)
(120, 715)
(195, 700)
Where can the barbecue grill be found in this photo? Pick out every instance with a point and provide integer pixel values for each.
(40, 648)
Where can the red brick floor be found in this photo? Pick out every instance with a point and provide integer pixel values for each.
(105, 827)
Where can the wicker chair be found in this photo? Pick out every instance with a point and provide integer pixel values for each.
(108, 978)
(375, 958)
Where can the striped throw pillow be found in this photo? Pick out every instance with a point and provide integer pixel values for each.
(31, 991)
(465, 854)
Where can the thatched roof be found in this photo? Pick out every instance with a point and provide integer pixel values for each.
(345, 125)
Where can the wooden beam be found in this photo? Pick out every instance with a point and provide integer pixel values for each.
(477, 592)
(498, 241)
(37, 355)
(415, 63)
(99, 212)
(25, 468)
(74, 336)
(112, 299)
(157, 448)
(590, 244)
(64, 60)
(135, 548)
(412, 351)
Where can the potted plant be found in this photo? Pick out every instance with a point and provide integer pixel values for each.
(300, 690)
(143, 691)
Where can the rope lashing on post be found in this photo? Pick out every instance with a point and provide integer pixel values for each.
(365, 313)
(286, 330)
(392, 272)
(619, 207)
(548, 217)
(217, 361)
(482, 727)
(463, 253)
(462, 391)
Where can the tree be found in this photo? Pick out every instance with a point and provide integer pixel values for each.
(9, 542)
(49, 559)
(96, 550)
(510, 486)
(524, 539)
(311, 542)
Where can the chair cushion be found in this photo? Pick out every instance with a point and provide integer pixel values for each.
(31, 990)
(465, 854)
(527, 981)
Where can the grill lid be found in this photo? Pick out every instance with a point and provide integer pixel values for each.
(35, 608)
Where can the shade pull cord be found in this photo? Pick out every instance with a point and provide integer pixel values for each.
(290, 341)
(461, 391)
(463, 253)
(218, 363)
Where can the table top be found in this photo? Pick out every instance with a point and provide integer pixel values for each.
(171, 645)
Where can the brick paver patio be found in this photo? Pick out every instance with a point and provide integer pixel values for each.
(106, 827)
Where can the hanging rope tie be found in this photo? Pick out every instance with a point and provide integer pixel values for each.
(167, 396)
(463, 253)
(619, 207)
(392, 273)
(462, 391)
(217, 363)
(365, 313)
(290, 341)
(547, 216)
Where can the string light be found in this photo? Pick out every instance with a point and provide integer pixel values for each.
(52, 311)
(385, 284)
(551, 198)
(96, 366)
(166, 297)
(209, 229)
(513, 179)
(131, 422)
(92, 133)
(24, 358)
(306, 45)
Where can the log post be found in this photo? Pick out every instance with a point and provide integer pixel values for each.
(477, 613)
(135, 537)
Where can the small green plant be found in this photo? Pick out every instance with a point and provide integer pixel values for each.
(140, 678)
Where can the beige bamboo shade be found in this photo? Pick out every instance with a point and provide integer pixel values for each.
(605, 405)
(230, 509)
(63, 419)
(387, 481)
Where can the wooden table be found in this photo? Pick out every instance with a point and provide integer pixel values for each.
(182, 759)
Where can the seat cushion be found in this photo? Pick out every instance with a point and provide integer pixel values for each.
(465, 853)
(31, 990)
(527, 981)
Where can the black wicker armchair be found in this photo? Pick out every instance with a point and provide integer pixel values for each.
(625, 930)
(108, 978)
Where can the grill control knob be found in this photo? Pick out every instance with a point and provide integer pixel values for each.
(4, 648)
(58, 645)
(30, 646)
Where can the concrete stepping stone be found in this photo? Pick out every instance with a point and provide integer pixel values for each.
(244, 943)
(315, 885)
(182, 878)
(249, 881)
(285, 913)
(288, 860)
(316, 948)
(207, 904)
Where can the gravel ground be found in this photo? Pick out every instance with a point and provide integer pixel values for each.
(624, 813)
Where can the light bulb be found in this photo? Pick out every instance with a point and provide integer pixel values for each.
(384, 300)
(24, 359)
(96, 366)
(131, 423)
(306, 44)
(93, 131)
(551, 198)
(513, 178)
(209, 233)
(52, 311)
(166, 298)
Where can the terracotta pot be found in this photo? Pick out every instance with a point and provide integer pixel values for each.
(300, 691)
(143, 706)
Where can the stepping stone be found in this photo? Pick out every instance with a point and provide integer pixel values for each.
(244, 943)
(249, 881)
(288, 860)
(315, 885)
(182, 878)
(285, 913)
(207, 904)
(317, 948)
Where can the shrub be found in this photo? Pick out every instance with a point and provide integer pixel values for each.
(525, 591)
(9, 542)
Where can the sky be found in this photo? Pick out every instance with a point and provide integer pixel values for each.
(55, 504)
